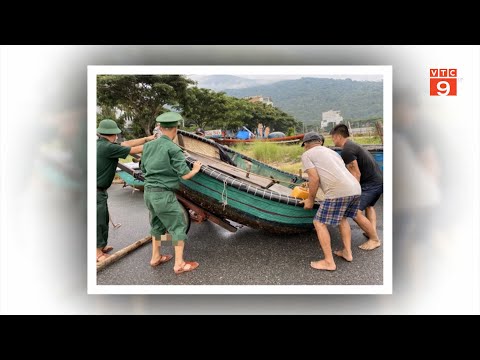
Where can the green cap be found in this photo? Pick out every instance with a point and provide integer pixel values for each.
(108, 127)
(169, 119)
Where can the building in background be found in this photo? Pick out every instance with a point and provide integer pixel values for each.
(331, 116)
(260, 98)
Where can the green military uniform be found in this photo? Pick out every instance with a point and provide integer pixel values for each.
(107, 159)
(163, 164)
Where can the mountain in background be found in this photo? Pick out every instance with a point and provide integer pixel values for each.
(307, 98)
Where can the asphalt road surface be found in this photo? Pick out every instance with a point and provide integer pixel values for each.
(247, 257)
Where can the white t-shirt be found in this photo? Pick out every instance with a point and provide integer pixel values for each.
(335, 179)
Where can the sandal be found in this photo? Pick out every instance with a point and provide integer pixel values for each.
(163, 259)
(193, 266)
(102, 255)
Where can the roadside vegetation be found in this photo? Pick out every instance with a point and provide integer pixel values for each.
(287, 157)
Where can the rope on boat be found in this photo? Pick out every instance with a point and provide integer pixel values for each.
(224, 194)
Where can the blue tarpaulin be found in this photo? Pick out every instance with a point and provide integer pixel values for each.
(243, 135)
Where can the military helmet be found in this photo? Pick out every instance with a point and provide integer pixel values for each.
(108, 127)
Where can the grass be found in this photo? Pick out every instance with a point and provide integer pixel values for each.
(287, 157)
(362, 140)
(368, 140)
(292, 168)
(271, 153)
(283, 157)
(128, 159)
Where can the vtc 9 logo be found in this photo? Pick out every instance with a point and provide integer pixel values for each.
(443, 82)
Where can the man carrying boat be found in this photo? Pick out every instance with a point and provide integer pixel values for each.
(163, 164)
(108, 153)
(363, 166)
(326, 170)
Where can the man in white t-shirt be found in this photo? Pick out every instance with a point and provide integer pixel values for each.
(326, 169)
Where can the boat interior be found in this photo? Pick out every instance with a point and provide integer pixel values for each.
(245, 170)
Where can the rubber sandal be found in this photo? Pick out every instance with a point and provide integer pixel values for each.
(163, 259)
(193, 266)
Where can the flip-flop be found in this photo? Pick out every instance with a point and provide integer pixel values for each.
(193, 266)
(163, 259)
(107, 249)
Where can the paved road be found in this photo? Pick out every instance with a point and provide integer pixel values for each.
(247, 257)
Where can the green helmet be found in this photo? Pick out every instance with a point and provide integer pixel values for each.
(169, 119)
(108, 127)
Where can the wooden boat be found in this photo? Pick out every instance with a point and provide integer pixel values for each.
(249, 192)
(280, 140)
(232, 186)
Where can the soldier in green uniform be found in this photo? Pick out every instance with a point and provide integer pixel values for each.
(163, 164)
(108, 153)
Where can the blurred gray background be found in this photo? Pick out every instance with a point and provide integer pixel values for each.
(44, 208)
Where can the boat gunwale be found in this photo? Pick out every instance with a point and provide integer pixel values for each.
(242, 185)
(211, 142)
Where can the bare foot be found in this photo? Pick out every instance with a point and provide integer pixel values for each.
(370, 244)
(102, 256)
(347, 255)
(323, 265)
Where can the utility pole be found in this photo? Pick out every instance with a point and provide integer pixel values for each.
(351, 132)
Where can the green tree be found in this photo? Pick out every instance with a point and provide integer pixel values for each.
(204, 108)
(141, 98)
(239, 113)
(107, 112)
(273, 117)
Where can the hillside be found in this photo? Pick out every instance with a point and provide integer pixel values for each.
(307, 98)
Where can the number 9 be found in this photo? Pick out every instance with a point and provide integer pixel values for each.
(443, 88)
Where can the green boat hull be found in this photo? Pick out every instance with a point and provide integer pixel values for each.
(260, 213)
